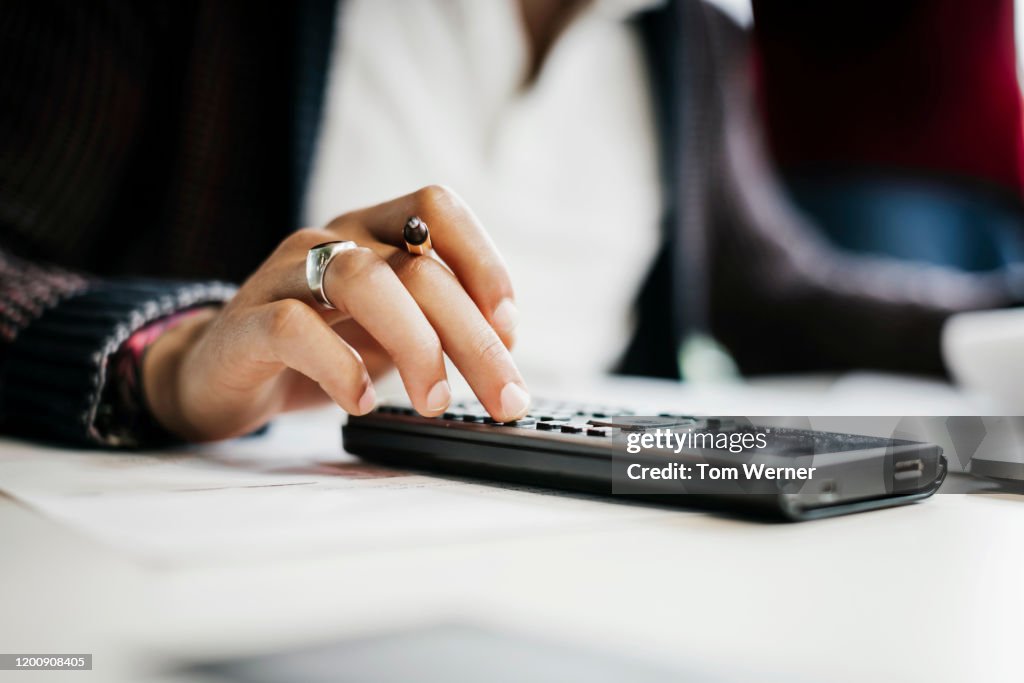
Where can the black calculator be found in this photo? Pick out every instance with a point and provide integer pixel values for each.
(576, 447)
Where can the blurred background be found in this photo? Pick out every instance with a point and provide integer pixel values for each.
(894, 129)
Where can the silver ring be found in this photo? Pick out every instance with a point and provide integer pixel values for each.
(317, 260)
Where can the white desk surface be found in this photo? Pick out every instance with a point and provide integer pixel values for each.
(928, 592)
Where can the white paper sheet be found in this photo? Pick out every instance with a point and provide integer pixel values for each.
(290, 493)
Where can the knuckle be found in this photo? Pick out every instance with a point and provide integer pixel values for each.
(286, 317)
(436, 197)
(487, 347)
(338, 222)
(409, 267)
(306, 238)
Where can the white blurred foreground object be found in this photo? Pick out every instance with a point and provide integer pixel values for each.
(984, 351)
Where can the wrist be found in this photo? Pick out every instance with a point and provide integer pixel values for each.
(161, 368)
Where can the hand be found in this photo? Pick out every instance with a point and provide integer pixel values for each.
(273, 348)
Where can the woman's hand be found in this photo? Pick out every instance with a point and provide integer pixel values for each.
(273, 348)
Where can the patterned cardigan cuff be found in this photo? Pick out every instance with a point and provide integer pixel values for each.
(123, 417)
(56, 370)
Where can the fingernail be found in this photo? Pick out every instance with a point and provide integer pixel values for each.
(368, 400)
(514, 402)
(439, 397)
(505, 317)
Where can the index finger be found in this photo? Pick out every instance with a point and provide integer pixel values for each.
(460, 239)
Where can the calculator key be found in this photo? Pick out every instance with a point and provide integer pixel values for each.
(571, 429)
(549, 426)
(644, 423)
(599, 431)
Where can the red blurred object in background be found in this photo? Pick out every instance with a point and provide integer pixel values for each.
(918, 86)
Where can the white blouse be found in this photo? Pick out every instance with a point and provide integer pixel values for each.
(563, 172)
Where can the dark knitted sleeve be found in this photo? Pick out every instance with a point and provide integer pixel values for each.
(92, 99)
(58, 331)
